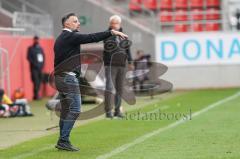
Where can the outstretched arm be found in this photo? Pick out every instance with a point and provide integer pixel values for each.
(95, 37)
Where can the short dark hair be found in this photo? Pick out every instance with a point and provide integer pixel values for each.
(36, 37)
(66, 17)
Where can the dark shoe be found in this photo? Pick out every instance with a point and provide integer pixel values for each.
(63, 145)
(36, 98)
(109, 115)
(27, 114)
(119, 114)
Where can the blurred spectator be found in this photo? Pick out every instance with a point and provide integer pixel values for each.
(237, 15)
(18, 94)
(233, 22)
(36, 59)
(141, 67)
(54, 103)
(8, 108)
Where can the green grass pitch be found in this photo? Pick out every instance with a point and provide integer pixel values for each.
(213, 134)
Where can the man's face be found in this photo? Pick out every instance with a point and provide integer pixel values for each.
(72, 23)
(35, 41)
(140, 54)
(115, 24)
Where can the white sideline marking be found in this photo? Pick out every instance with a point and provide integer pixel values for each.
(140, 139)
(153, 133)
(32, 153)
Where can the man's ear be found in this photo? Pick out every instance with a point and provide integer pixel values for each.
(66, 24)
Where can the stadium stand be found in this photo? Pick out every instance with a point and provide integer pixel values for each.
(19, 22)
(135, 5)
(22, 14)
(145, 20)
(234, 12)
(175, 15)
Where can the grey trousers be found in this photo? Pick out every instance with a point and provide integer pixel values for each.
(115, 77)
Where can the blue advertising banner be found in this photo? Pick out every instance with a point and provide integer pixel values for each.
(198, 49)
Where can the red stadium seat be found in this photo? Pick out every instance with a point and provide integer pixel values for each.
(165, 4)
(181, 28)
(212, 14)
(165, 16)
(212, 27)
(213, 3)
(150, 4)
(197, 27)
(196, 3)
(135, 5)
(181, 4)
(181, 15)
(197, 14)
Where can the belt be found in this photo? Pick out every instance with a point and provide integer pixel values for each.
(70, 73)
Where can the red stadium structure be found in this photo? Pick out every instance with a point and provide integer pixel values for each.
(196, 4)
(135, 5)
(165, 4)
(181, 28)
(181, 4)
(19, 70)
(150, 4)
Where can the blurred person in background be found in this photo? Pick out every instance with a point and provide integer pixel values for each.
(237, 15)
(115, 69)
(36, 59)
(140, 65)
(8, 108)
